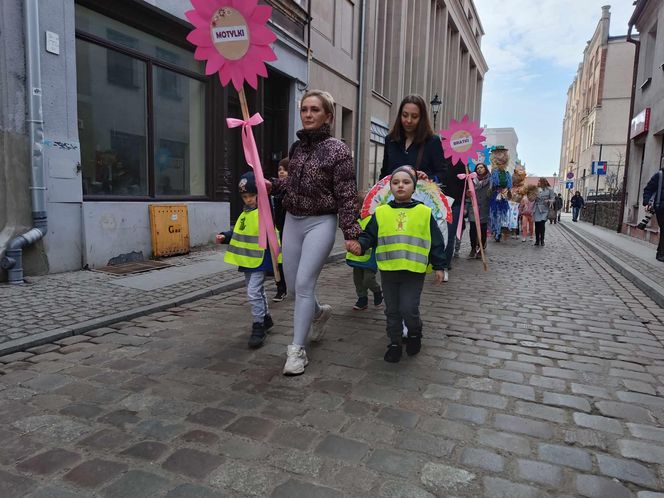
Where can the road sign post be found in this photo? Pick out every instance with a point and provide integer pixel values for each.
(599, 168)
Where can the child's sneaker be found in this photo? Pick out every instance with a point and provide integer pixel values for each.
(258, 334)
(413, 345)
(318, 325)
(296, 360)
(378, 299)
(281, 295)
(362, 303)
(393, 353)
(267, 322)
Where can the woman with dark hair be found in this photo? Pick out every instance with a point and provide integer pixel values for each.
(412, 141)
(545, 201)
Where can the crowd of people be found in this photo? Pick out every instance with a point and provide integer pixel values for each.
(402, 241)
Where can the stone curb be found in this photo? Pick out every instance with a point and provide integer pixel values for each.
(651, 288)
(49, 336)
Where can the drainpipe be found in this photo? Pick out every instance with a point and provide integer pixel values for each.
(13, 258)
(637, 49)
(360, 92)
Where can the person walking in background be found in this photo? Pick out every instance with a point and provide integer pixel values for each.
(577, 204)
(653, 200)
(412, 141)
(279, 218)
(526, 209)
(251, 259)
(543, 204)
(320, 187)
(559, 206)
(364, 270)
(406, 239)
(483, 193)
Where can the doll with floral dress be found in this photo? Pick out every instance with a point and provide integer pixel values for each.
(501, 183)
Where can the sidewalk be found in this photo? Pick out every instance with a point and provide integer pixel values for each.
(52, 307)
(633, 258)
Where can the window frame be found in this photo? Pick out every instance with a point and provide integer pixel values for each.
(150, 62)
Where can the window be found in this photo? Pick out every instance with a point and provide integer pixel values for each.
(648, 60)
(141, 111)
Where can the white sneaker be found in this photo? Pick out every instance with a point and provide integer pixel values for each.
(523, 239)
(446, 276)
(318, 325)
(296, 360)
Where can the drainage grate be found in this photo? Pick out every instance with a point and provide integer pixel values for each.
(135, 267)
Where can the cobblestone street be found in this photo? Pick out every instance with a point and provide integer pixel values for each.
(542, 378)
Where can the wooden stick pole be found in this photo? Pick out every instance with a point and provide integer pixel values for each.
(273, 250)
(478, 228)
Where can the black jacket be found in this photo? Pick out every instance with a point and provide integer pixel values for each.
(433, 162)
(650, 190)
(369, 237)
(577, 201)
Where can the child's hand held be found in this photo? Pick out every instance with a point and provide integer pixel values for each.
(438, 278)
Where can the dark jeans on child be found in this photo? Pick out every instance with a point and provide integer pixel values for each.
(365, 280)
(401, 291)
(540, 230)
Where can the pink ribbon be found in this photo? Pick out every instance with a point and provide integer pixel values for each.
(266, 233)
(473, 200)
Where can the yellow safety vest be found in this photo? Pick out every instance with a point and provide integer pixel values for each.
(404, 238)
(243, 249)
(367, 255)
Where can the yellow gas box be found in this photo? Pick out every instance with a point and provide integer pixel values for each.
(170, 229)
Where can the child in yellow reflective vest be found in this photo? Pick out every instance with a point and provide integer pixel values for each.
(251, 259)
(406, 239)
(364, 270)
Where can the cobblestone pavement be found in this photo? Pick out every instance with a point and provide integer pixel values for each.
(59, 300)
(541, 378)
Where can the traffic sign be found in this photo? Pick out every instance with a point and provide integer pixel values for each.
(570, 175)
(569, 185)
(599, 168)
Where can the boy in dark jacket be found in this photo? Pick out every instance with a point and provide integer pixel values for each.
(251, 259)
(406, 239)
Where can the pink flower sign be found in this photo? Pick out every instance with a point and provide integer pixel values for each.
(462, 140)
(232, 36)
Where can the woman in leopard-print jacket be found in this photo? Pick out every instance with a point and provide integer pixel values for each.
(320, 188)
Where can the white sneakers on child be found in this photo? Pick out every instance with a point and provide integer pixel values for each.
(296, 360)
(318, 325)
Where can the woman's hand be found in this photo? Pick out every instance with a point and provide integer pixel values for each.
(438, 277)
(353, 247)
(421, 175)
(268, 186)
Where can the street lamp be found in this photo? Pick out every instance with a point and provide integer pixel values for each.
(435, 107)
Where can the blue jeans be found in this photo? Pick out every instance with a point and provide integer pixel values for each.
(451, 233)
(575, 213)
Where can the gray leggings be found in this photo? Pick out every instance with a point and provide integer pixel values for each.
(307, 242)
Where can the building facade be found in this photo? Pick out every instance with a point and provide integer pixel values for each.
(428, 47)
(131, 119)
(647, 122)
(596, 112)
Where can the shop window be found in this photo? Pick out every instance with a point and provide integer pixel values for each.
(141, 111)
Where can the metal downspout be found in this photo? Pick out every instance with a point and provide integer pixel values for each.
(628, 147)
(12, 261)
(360, 92)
